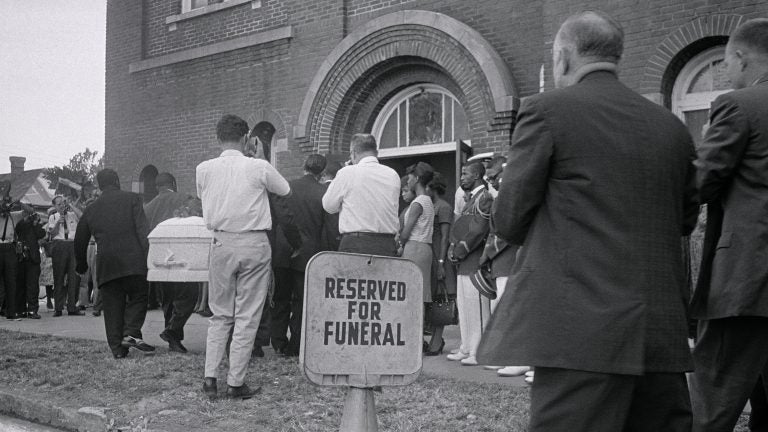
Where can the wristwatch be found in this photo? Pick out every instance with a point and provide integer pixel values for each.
(440, 261)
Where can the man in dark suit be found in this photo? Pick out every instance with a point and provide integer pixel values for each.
(117, 221)
(29, 231)
(176, 298)
(732, 300)
(306, 204)
(598, 190)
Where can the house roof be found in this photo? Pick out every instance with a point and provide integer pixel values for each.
(30, 187)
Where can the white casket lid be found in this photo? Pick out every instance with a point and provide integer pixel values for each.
(188, 227)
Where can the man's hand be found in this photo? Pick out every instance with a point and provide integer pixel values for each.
(440, 271)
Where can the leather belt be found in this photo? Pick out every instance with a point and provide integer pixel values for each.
(368, 234)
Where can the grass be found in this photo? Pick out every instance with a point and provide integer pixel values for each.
(163, 392)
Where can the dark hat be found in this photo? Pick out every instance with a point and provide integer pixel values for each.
(481, 279)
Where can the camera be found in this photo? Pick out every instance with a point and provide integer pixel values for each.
(6, 203)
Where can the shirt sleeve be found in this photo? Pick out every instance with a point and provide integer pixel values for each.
(335, 194)
(274, 182)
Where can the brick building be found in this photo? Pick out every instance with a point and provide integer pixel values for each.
(434, 80)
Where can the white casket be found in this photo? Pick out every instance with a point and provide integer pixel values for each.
(178, 251)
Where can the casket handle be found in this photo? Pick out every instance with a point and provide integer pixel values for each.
(169, 262)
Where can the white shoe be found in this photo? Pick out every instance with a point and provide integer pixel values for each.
(529, 377)
(455, 351)
(469, 361)
(489, 367)
(513, 371)
(457, 357)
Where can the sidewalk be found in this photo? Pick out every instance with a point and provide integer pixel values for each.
(90, 327)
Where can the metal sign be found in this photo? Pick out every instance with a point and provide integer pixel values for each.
(362, 321)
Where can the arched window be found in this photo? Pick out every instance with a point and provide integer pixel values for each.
(422, 118)
(147, 187)
(701, 80)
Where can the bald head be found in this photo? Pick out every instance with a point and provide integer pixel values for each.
(585, 38)
(746, 55)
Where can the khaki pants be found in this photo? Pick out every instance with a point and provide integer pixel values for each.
(239, 277)
(474, 313)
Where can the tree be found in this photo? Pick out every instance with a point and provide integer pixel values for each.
(81, 169)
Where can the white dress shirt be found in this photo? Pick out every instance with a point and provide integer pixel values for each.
(366, 194)
(234, 190)
(59, 232)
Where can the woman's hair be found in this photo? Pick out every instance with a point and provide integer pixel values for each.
(437, 184)
(424, 172)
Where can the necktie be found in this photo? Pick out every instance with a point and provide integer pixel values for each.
(66, 228)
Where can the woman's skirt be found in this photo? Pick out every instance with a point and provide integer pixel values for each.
(421, 254)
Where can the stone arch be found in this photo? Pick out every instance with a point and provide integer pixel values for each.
(682, 44)
(449, 46)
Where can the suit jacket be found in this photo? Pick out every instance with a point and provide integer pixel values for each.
(306, 202)
(117, 221)
(284, 237)
(732, 173)
(598, 190)
(162, 206)
(29, 233)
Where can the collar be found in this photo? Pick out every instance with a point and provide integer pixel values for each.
(368, 160)
(476, 190)
(760, 80)
(164, 191)
(587, 69)
(231, 152)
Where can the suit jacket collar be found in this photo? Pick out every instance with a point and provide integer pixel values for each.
(762, 80)
(595, 71)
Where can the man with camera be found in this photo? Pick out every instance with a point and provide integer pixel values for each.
(28, 231)
(62, 226)
(10, 248)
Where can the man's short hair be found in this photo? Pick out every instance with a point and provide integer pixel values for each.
(331, 168)
(231, 128)
(56, 198)
(315, 164)
(595, 35)
(476, 168)
(364, 143)
(165, 179)
(107, 177)
(752, 34)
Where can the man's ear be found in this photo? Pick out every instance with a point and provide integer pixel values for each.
(565, 59)
(742, 58)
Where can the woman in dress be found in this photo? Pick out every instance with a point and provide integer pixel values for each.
(416, 235)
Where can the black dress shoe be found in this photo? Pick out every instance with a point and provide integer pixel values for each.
(174, 345)
(257, 352)
(57, 314)
(96, 313)
(75, 313)
(242, 392)
(120, 354)
(33, 315)
(132, 342)
(209, 388)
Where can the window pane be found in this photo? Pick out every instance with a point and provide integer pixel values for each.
(389, 133)
(403, 132)
(460, 127)
(197, 4)
(702, 82)
(720, 80)
(695, 120)
(449, 119)
(425, 119)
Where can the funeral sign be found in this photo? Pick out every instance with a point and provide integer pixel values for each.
(362, 320)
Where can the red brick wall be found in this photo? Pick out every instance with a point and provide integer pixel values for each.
(165, 116)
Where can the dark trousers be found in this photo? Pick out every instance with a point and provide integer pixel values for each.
(27, 286)
(286, 313)
(365, 243)
(564, 400)
(125, 307)
(178, 301)
(263, 332)
(63, 261)
(9, 265)
(730, 355)
(758, 417)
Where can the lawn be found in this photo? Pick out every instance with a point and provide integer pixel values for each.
(163, 392)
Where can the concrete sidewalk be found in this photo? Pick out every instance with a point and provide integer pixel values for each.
(90, 327)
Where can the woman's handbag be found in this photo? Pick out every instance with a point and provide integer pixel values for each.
(442, 310)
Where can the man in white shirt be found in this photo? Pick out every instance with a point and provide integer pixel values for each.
(366, 196)
(234, 189)
(62, 226)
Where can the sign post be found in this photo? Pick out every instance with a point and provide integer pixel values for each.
(362, 328)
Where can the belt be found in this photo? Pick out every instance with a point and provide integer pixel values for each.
(368, 234)
(242, 232)
(64, 241)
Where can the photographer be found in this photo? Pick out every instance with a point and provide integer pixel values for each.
(9, 214)
(28, 231)
(62, 226)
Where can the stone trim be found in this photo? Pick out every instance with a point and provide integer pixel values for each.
(212, 49)
(497, 75)
(669, 48)
(255, 4)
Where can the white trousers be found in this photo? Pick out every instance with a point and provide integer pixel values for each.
(239, 278)
(474, 313)
(501, 285)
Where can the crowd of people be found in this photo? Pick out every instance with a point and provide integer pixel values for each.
(564, 255)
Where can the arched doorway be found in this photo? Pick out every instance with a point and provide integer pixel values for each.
(147, 186)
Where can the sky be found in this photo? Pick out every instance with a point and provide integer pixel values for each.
(51, 80)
